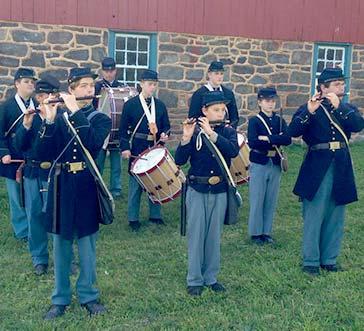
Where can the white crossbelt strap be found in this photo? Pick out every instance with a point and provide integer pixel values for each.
(149, 113)
(210, 88)
(21, 105)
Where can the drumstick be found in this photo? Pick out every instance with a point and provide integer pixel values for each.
(138, 157)
(166, 133)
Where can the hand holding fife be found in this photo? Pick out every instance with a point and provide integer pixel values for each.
(50, 109)
(205, 125)
(70, 102)
(188, 128)
(334, 100)
(164, 137)
(126, 154)
(6, 159)
(28, 119)
(314, 102)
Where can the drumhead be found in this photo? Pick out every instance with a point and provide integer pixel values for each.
(149, 160)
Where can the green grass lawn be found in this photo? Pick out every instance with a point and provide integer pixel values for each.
(142, 276)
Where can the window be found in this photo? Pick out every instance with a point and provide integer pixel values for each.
(132, 53)
(330, 56)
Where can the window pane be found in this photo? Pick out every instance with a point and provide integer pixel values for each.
(120, 42)
(330, 54)
(339, 54)
(131, 59)
(329, 64)
(338, 65)
(320, 66)
(120, 74)
(143, 44)
(132, 44)
(120, 57)
(321, 53)
(142, 59)
(130, 74)
(139, 73)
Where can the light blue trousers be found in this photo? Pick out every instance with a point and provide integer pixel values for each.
(35, 201)
(323, 225)
(263, 197)
(17, 213)
(115, 169)
(205, 220)
(134, 194)
(62, 250)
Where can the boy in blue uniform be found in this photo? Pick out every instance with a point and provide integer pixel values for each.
(35, 175)
(326, 179)
(265, 169)
(215, 78)
(11, 116)
(73, 210)
(142, 116)
(206, 198)
(109, 80)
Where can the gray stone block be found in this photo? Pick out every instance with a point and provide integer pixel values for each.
(28, 36)
(97, 54)
(35, 60)
(169, 98)
(279, 77)
(171, 48)
(243, 69)
(195, 74)
(244, 89)
(278, 58)
(78, 54)
(12, 49)
(183, 86)
(89, 40)
(165, 58)
(296, 99)
(301, 57)
(270, 45)
(257, 80)
(170, 72)
(299, 77)
(257, 61)
(9, 61)
(59, 37)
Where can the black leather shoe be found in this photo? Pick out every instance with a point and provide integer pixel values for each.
(194, 290)
(217, 287)
(157, 221)
(94, 307)
(41, 269)
(134, 226)
(330, 267)
(311, 270)
(267, 239)
(257, 240)
(55, 311)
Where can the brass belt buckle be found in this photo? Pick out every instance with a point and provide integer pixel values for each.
(45, 165)
(150, 137)
(271, 153)
(334, 145)
(214, 180)
(75, 166)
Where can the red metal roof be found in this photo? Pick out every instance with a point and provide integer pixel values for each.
(303, 20)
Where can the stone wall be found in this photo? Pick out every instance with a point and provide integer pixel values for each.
(183, 60)
(49, 48)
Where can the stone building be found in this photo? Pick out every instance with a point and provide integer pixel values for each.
(180, 48)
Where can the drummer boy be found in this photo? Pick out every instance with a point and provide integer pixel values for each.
(144, 122)
(206, 198)
(265, 169)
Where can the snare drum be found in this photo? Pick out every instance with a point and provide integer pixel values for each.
(240, 165)
(158, 174)
(112, 103)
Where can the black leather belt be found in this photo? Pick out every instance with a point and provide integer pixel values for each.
(41, 164)
(144, 136)
(332, 145)
(269, 153)
(213, 180)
